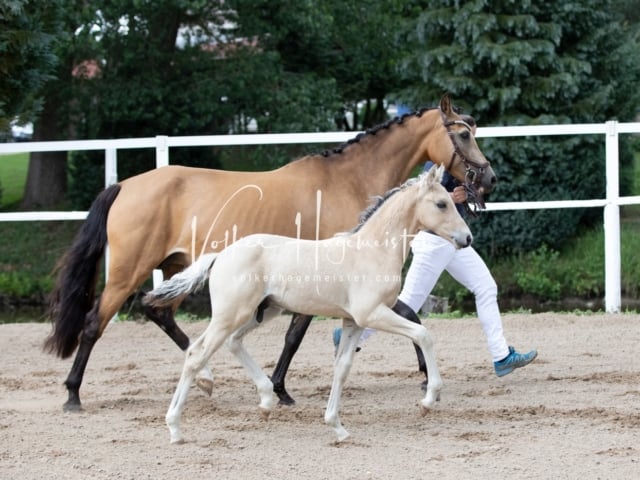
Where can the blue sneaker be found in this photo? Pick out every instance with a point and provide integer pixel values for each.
(337, 333)
(513, 360)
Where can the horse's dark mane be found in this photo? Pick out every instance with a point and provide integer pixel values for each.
(378, 201)
(373, 130)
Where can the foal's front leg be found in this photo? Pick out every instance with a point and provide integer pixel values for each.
(344, 359)
(387, 320)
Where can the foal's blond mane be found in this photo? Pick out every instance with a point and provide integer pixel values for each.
(380, 200)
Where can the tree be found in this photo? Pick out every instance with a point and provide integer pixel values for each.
(322, 42)
(29, 36)
(47, 175)
(27, 40)
(516, 63)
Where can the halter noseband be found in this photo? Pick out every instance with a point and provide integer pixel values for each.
(474, 171)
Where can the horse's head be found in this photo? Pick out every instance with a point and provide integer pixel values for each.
(460, 154)
(436, 211)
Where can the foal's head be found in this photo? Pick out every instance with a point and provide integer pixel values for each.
(436, 212)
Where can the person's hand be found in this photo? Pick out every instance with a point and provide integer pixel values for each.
(459, 194)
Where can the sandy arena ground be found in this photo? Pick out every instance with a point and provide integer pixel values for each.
(573, 414)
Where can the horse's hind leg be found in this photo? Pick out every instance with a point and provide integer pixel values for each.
(297, 329)
(88, 338)
(165, 319)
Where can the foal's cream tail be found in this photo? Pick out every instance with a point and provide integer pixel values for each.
(189, 280)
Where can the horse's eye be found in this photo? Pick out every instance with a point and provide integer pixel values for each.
(465, 134)
(441, 205)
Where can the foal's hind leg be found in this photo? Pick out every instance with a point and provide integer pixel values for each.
(297, 329)
(164, 318)
(260, 379)
(197, 356)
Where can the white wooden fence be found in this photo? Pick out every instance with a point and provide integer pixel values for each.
(611, 204)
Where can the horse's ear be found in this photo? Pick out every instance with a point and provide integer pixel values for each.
(470, 121)
(445, 104)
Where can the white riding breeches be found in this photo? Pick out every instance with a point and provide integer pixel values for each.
(433, 254)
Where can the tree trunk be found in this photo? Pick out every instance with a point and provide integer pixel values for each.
(47, 175)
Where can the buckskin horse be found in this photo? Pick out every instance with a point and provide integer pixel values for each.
(355, 276)
(168, 217)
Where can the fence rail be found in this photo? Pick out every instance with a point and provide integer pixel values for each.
(611, 204)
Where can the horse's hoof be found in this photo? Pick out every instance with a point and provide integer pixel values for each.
(177, 441)
(424, 410)
(72, 407)
(283, 397)
(206, 385)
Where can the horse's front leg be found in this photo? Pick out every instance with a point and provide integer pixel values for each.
(297, 329)
(262, 382)
(164, 318)
(343, 361)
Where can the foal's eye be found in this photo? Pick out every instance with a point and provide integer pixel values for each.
(465, 134)
(441, 205)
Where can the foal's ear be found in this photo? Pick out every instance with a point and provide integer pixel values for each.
(445, 104)
(434, 176)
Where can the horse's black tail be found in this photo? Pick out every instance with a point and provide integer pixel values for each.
(74, 291)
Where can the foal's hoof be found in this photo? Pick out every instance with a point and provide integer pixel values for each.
(264, 413)
(206, 385)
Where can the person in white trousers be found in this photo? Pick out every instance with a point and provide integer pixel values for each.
(431, 256)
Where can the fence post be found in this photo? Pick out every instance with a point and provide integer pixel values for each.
(110, 167)
(162, 151)
(612, 283)
(110, 178)
(162, 160)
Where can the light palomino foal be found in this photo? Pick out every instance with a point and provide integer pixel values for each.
(355, 276)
